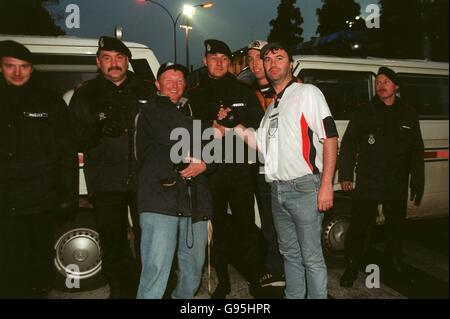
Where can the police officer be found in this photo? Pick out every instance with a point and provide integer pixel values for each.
(384, 137)
(38, 175)
(105, 108)
(230, 183)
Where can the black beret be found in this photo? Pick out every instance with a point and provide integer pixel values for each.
(113, 44)
(390, 74)
(213, 46)
(275, 46)
(171, 66)
(15, 50)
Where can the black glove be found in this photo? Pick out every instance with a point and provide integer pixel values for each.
(416, 193)
(231, 120)
(112, 128)
(66, 212)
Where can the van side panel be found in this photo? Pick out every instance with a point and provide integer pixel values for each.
(434, 126)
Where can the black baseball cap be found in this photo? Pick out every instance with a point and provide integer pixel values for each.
(390, 74)
(16, 50)
(171, 66)
(112, 44)
(213, 46)
(274, 46)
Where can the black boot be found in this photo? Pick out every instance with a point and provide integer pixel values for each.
(223, 288)
(114, 289)
(350, 274)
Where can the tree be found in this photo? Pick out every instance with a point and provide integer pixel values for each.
(286, 27)
(401, 29)
(27, 17)
(339, 15)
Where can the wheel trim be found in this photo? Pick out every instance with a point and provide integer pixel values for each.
(79, 247)
(334, 235)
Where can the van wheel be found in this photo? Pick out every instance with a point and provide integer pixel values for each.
(335, 226)
(78, 257)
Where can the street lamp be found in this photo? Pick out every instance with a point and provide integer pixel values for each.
(189, 12)
(186, 12)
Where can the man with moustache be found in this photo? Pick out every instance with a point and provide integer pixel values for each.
(231, 182)
(384, 138)
(105, 109)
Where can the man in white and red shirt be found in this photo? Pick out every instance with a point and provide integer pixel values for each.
(298, 139)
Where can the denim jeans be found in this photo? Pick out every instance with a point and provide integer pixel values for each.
(160, 236)
(299, 224)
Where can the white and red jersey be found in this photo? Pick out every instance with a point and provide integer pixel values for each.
(292, 131)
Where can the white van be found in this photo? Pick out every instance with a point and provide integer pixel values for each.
(349, 82)
(62, 63)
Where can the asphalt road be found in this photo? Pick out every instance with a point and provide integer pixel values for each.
(425, 260)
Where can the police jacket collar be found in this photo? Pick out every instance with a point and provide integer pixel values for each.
(205, 79)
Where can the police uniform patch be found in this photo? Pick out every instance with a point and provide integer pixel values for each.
(371, 139)
(101, 116)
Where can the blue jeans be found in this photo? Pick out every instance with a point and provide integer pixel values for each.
(299, 225)
(160, 236)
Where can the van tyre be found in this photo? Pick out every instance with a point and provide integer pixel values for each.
(78, 252)
(334, 229)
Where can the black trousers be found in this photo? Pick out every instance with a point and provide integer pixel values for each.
(235, 234)
(273, 260)
(364, 213)
(26, 254)
(111, 214)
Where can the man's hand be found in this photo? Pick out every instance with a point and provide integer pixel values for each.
(195, 168)
(219, 130)
(223, 113)
(416, 194)
(226, 117)
(325, 198)
(347, 186)
(112, 128)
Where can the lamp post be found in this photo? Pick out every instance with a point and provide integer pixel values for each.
(175, 20)
(189, 12)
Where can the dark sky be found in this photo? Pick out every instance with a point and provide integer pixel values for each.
(237, 22)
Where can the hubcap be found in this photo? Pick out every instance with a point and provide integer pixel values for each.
(78, 253)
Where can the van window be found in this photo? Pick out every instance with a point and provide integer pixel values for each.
(142, 69)
(343, 90)
(428, 94)
(61, 72)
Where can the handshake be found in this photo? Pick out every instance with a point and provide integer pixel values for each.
(227, 117)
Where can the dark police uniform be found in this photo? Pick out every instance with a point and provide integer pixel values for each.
(230, 183)
(387, 144)
(100, 106)
(38, 183)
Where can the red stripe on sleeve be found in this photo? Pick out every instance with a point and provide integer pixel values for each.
(306, 145)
